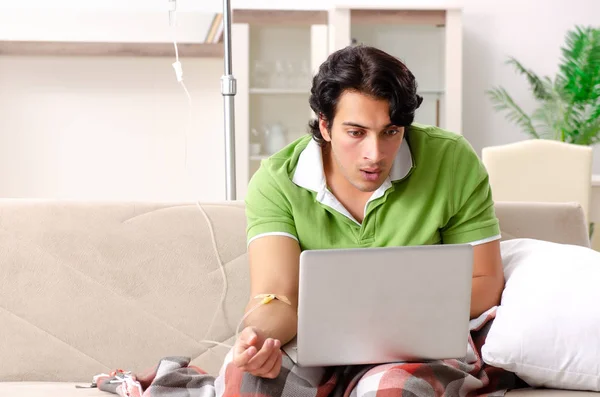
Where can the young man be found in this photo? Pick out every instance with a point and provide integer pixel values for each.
(366, 176)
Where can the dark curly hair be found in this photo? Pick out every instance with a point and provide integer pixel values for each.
(367, 70)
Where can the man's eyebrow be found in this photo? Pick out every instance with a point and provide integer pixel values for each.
(353, 124)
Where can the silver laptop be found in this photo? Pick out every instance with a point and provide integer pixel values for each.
(382, 305)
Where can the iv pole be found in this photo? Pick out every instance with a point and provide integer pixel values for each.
(228, 90)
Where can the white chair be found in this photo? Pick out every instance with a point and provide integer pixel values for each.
(540, 170)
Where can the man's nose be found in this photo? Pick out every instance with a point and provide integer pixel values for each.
(373, 149)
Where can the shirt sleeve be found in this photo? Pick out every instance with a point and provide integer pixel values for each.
(268, 211)
(472, 213)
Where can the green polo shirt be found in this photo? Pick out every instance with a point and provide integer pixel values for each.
(437, 193)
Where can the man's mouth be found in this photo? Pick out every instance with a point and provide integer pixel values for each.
(371, 174)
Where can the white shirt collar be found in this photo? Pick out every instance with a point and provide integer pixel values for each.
(309, 172)
(310, 175)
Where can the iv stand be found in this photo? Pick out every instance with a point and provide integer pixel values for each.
(228, 90)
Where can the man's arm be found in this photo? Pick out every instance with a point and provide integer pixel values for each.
(472, 218)
(274, 262)
(488, 277)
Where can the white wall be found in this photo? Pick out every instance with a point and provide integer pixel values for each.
(109, 128)
(84, 119)
(529, 30)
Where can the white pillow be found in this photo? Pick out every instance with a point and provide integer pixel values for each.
(547, 328)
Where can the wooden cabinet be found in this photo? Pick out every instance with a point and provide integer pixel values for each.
(275, 54)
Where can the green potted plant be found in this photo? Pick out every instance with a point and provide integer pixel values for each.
(568, 105)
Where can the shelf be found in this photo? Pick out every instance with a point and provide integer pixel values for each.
(62, 48)
(285, 18)
(279, 91)
(401, 17)
(413, 5)
(259, 157)
(434, 92)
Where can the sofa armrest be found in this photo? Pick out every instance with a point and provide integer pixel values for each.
(555, 222)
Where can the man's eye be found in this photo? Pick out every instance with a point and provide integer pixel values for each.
(354, 133)
(392, 132)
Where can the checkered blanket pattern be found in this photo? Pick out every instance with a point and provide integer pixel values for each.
(172, 377)
(468, 377)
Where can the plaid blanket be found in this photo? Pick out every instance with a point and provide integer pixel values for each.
(467, 377)
(172, 377)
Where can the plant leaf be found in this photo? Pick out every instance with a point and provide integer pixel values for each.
(589, 133)
(570, 105)
(537, 84)
(579, 72)
(503, 102)
(595, 108)
(549, 121)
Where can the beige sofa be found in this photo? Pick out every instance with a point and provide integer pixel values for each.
(87, 287)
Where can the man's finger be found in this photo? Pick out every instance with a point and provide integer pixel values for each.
(241, 357)
(248, 337)
(244, 348)
(261, 357)
(274, 372)
(267, 367)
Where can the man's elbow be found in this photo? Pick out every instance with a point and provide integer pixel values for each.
(487, 293)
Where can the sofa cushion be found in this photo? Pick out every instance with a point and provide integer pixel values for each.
(89, 287)
(48, 389)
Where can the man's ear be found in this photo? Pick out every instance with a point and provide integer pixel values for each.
(323, 128)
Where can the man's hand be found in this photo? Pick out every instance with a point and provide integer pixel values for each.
(259, 358)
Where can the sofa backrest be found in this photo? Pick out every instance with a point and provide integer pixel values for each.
(556, 222)
(88, 287)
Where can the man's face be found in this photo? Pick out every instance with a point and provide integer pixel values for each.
(363, 143)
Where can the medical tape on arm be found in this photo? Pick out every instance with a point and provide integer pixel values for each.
(265, 300)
